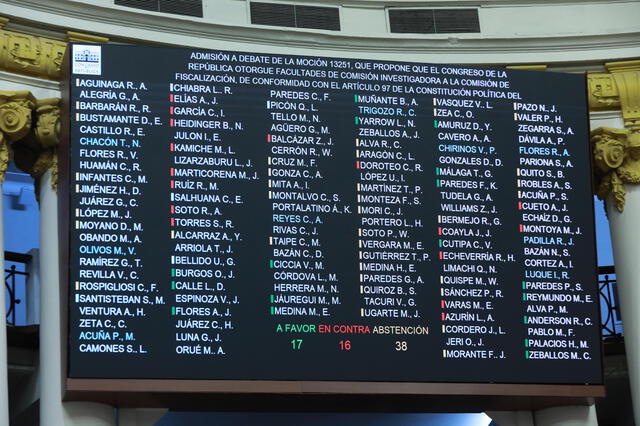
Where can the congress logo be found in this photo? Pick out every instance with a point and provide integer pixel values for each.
(87, 59)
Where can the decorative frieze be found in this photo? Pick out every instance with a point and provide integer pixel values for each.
(35, 55)
(617, 89)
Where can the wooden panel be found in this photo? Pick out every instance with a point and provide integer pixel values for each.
(250, 395)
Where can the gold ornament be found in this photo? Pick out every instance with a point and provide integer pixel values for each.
(619, 88)
(54, 169)
(608, 152)
(616, 154)
(37, 56)
(31, 55)
(48, 122)
(4, 157)
(43, 162)
(15, 122)
(34, 147)
(15, 114)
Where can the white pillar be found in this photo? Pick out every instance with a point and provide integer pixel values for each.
(53, 412)
(50, 345)
(578, 415)
(625, 239)
(4, 384)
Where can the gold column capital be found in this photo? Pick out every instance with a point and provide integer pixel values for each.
(47, 133)
(37, 152)
(616, 154)
(47, 129)
(15, 122)
(15, 114)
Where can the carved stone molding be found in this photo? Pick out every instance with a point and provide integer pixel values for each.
(629, 92)
(616, 154)
(528, 67)
(617, 89)
(73, 36)
(603, 92)
(34, 55)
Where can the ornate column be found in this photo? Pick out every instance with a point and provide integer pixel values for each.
(36, 154)
(15, 123)
(616, 154)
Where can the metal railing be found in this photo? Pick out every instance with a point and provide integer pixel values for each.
(611, 321)
(11, 277)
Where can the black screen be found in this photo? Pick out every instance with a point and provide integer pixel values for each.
(256, 216)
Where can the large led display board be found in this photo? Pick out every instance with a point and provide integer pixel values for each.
(275, 218)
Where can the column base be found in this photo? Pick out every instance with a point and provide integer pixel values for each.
(140, 416)
(566, 416)
(556, 416)
(88, 414)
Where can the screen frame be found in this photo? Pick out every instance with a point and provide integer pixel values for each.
(250, 395)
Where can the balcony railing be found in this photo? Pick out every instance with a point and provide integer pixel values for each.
(15, 279)
(611, 321)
